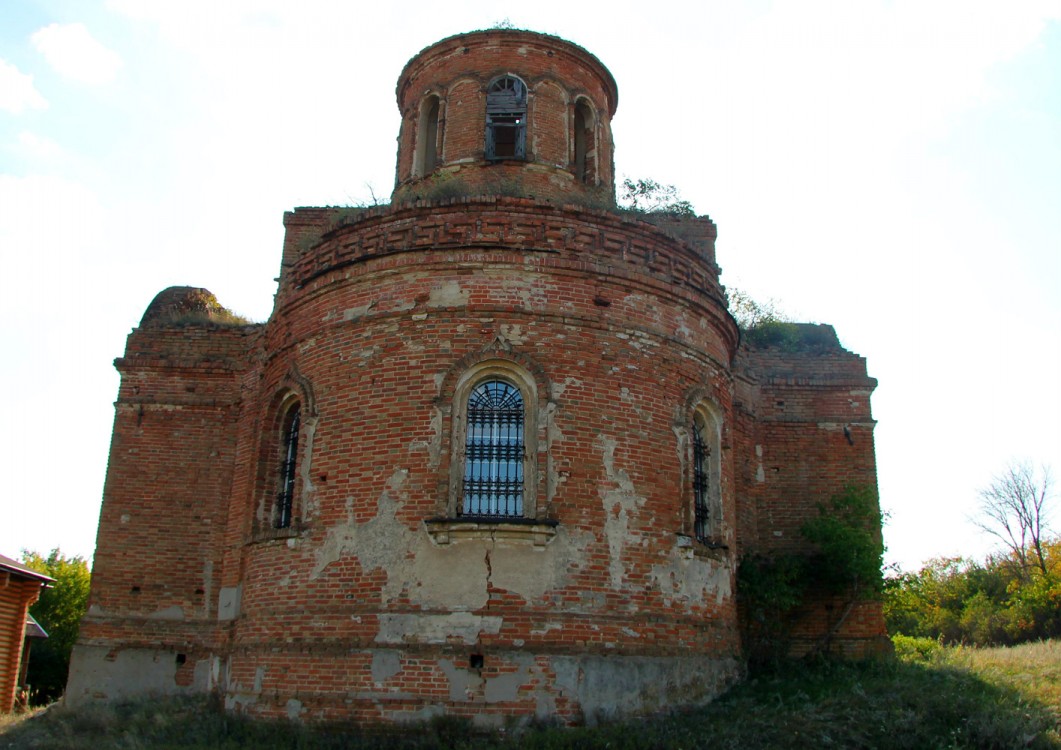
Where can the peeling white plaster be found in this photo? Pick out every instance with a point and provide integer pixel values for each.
(169, 613)
(464, 685)
(378, 543)
(690, 581)
(448, 294)
(356, 313)
(559, 388)
(619, 504)
(464, 627)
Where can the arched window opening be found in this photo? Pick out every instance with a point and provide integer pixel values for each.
(494, 451)
(706, 474)
(288, 468)
(583, 138)
(701, 480)
(506, 119)
(427, 138)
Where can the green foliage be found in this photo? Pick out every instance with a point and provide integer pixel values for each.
(651, 197)
(847, 534)
(931, 697)
(750, 313)
(771, 589)
(59, 611)
(997, 602)
(909, 648)
(846, 562)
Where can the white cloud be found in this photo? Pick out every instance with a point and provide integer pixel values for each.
(74, 53)
(36, 146)
(17, 92)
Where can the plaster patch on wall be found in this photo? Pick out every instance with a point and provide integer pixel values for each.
(434, 445)
(310, 504)
(683, 329)
(228, 602)
(531, 572)
(559, 388)
(100, 673)
(626, 397)
(448, 294)
(385, 664)
(691, 582)
(356, 313)
(553, 438)
(464, 685)
(429, 577)
(620, 503)
(379, 543)
(513, 333)
(169, 613)
(505, 686)
(436, 628)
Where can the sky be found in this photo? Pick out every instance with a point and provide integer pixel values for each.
(890, 168)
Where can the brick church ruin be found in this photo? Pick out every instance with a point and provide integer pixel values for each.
(497, 451)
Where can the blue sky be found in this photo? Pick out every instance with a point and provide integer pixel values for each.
(892, 168)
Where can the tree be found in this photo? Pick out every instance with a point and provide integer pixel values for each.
(1014, 508)
(750, 313)
(651, 197)
(59, 611)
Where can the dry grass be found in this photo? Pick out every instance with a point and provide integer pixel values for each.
(933, 697)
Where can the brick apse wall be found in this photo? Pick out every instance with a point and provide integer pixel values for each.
(291, 516)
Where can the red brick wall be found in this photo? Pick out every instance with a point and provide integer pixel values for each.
(806, 433)
(602, 602)
(158, 561)
(458, 70)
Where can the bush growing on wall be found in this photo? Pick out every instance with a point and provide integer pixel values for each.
(847, 562)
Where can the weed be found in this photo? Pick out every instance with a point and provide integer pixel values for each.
(962, 698)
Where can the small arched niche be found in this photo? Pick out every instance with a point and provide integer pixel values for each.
(584, 142)
(426, 155)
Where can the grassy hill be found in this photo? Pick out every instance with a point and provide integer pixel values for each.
(929, 697)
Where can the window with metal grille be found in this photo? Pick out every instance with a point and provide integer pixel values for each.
(701, 480)
(285, 497)
(506, 119)
(494, 451)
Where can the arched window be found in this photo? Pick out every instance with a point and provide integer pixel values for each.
(583, 141)
(506, 119)
(427, 138)
(706, 474)
(494, 451)
(285, 496)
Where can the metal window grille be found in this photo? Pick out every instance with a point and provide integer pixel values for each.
(506, 119)
(494, 451)
(286, 496)
(701, 478)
